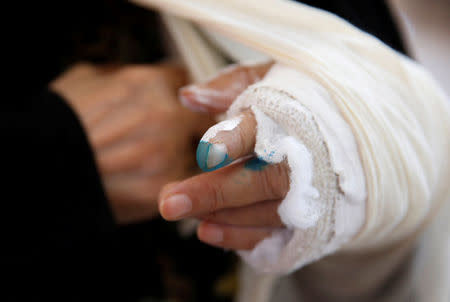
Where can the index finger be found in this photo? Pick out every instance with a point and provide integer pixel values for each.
(234, 186)
(227, 141)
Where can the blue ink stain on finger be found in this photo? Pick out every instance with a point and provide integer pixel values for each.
(256, 164)
(203, 152)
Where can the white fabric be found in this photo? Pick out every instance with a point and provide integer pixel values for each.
(325, 206)
(398, 116)
(425, 27)
(200, 58)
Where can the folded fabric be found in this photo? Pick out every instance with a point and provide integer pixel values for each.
(365, 130)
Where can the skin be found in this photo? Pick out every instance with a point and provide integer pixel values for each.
(237, 204)
(128, 113)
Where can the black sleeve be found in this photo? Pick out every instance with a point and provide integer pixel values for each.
(52, 197)
(371, 16)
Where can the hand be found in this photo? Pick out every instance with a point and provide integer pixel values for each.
(236, 203)
(141, 135)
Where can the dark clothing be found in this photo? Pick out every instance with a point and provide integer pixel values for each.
(372, 16)
(60, 197)
(56, 220)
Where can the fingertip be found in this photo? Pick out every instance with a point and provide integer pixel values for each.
(226, 141)
(165, 190)
(175, 207)
(163, 194)
(204, 99)
(188, 100)
(217, 94)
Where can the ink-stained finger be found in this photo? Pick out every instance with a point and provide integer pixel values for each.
(232, 237)
(234, 186)
(227, 141)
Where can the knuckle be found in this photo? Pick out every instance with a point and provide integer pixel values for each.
(242, 139)
(136, 74)
(213, 216)
(217, 197)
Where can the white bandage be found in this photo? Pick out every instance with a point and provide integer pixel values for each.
(372, 121)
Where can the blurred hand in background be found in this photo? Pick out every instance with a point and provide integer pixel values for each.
(141, 135)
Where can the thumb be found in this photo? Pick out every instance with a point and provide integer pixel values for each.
(217, 94)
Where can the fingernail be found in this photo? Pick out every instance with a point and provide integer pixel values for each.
(185, 99)
(211, 156)
(216, 155)
(176, 206)
(211, 234)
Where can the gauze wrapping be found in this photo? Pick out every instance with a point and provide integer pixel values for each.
(376, 103)
(325, 206)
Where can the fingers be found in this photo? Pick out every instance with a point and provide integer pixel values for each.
(216, 95)
(136, 154)
(233, 186)
(226, 141)
(231, 237)
(136, 114)
(262, 214)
